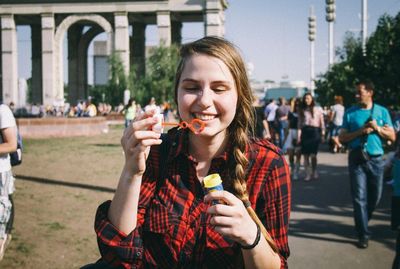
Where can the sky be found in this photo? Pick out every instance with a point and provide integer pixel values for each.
(271, 35)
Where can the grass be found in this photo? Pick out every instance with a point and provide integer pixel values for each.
(59, 186)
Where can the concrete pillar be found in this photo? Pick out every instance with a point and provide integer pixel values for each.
(36, 75)
(176, 32)
(214, 18)
(48, 60)
(138, 47)
(83, 47)
(9, 59)
(74, 36)
(164, 27)
(121, 40)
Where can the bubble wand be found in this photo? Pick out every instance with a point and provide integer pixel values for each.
(196, 125)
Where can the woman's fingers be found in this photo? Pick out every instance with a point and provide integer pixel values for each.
(221, 221)
(225, 196)
(141, 140)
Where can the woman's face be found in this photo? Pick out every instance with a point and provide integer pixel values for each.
(308, 99)
(207, 91)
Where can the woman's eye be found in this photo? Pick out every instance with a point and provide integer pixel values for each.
(219, 89)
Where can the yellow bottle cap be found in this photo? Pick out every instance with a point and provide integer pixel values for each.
(212, 180)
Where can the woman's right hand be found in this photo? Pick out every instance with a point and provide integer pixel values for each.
(136, 142)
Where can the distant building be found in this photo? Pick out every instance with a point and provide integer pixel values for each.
(100, 63)
(287, 89)
(259, 88)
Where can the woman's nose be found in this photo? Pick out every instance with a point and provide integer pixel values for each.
(204, 97)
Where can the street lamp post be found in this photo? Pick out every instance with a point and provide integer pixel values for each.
(312, 30)
(330, 18)
(364, 18)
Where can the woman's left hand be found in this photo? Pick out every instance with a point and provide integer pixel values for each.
(231, 219)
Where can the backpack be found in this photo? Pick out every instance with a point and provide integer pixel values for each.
(16, 156)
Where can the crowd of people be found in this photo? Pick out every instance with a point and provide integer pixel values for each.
(366, 130)
(87, 108)
(298, 127)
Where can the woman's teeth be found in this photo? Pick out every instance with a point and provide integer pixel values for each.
(204, 117)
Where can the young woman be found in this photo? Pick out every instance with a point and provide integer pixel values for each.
(291, 146)
(161, 217)
(311, 131)
(129, 112)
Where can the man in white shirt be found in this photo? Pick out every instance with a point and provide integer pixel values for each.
(269, 114)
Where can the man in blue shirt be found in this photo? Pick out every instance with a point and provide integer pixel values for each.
(364, 127)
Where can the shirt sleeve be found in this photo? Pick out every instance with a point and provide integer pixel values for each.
(278, 219)
(6, 117)
(117, 248)
(272, 196)
(387, 119)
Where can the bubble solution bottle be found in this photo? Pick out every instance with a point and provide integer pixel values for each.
(212, 183)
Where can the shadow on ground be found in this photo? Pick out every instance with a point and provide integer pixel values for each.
(326, 212)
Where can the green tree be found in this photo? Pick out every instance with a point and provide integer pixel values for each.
(379, 64)
(159, 79)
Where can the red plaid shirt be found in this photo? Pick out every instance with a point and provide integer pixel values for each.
(172, 228)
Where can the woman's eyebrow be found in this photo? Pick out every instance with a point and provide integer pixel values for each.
(189, 80)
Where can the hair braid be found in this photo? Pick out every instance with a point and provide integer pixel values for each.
(239, 183)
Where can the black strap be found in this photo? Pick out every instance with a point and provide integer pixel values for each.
(164, 151)
(365, 136)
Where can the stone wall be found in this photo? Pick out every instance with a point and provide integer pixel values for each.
(61, 127)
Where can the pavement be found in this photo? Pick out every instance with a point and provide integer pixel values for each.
(321, 231)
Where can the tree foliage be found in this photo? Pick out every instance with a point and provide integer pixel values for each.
(159, 79)
(380, 64)
(118, 82)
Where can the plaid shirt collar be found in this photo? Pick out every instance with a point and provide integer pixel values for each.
(180, 146)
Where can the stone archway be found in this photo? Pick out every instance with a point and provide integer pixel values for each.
(58, 46)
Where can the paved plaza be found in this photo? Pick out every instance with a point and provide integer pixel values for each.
(322, 229)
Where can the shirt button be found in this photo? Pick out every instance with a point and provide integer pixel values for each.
(174, 144)
(138, 254)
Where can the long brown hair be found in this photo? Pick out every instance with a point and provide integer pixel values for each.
(241, 128)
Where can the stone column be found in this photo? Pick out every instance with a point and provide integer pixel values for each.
(83, 47)
(9, 59)
(214, 18)
(164, 27)
(176, 32)
(74, 36)
(48, 60)
(36, 75)
(121, 40)
(138, 47)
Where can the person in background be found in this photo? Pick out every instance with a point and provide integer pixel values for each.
(270, 114)
(291, 146)
(165, 219)
(281, 119)
(310, 133)
(129, 111)
(152, 106)
(261, 124)
(166, 108)
(336, 120)
(8, 144)
(364, 127)
(91, 110)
